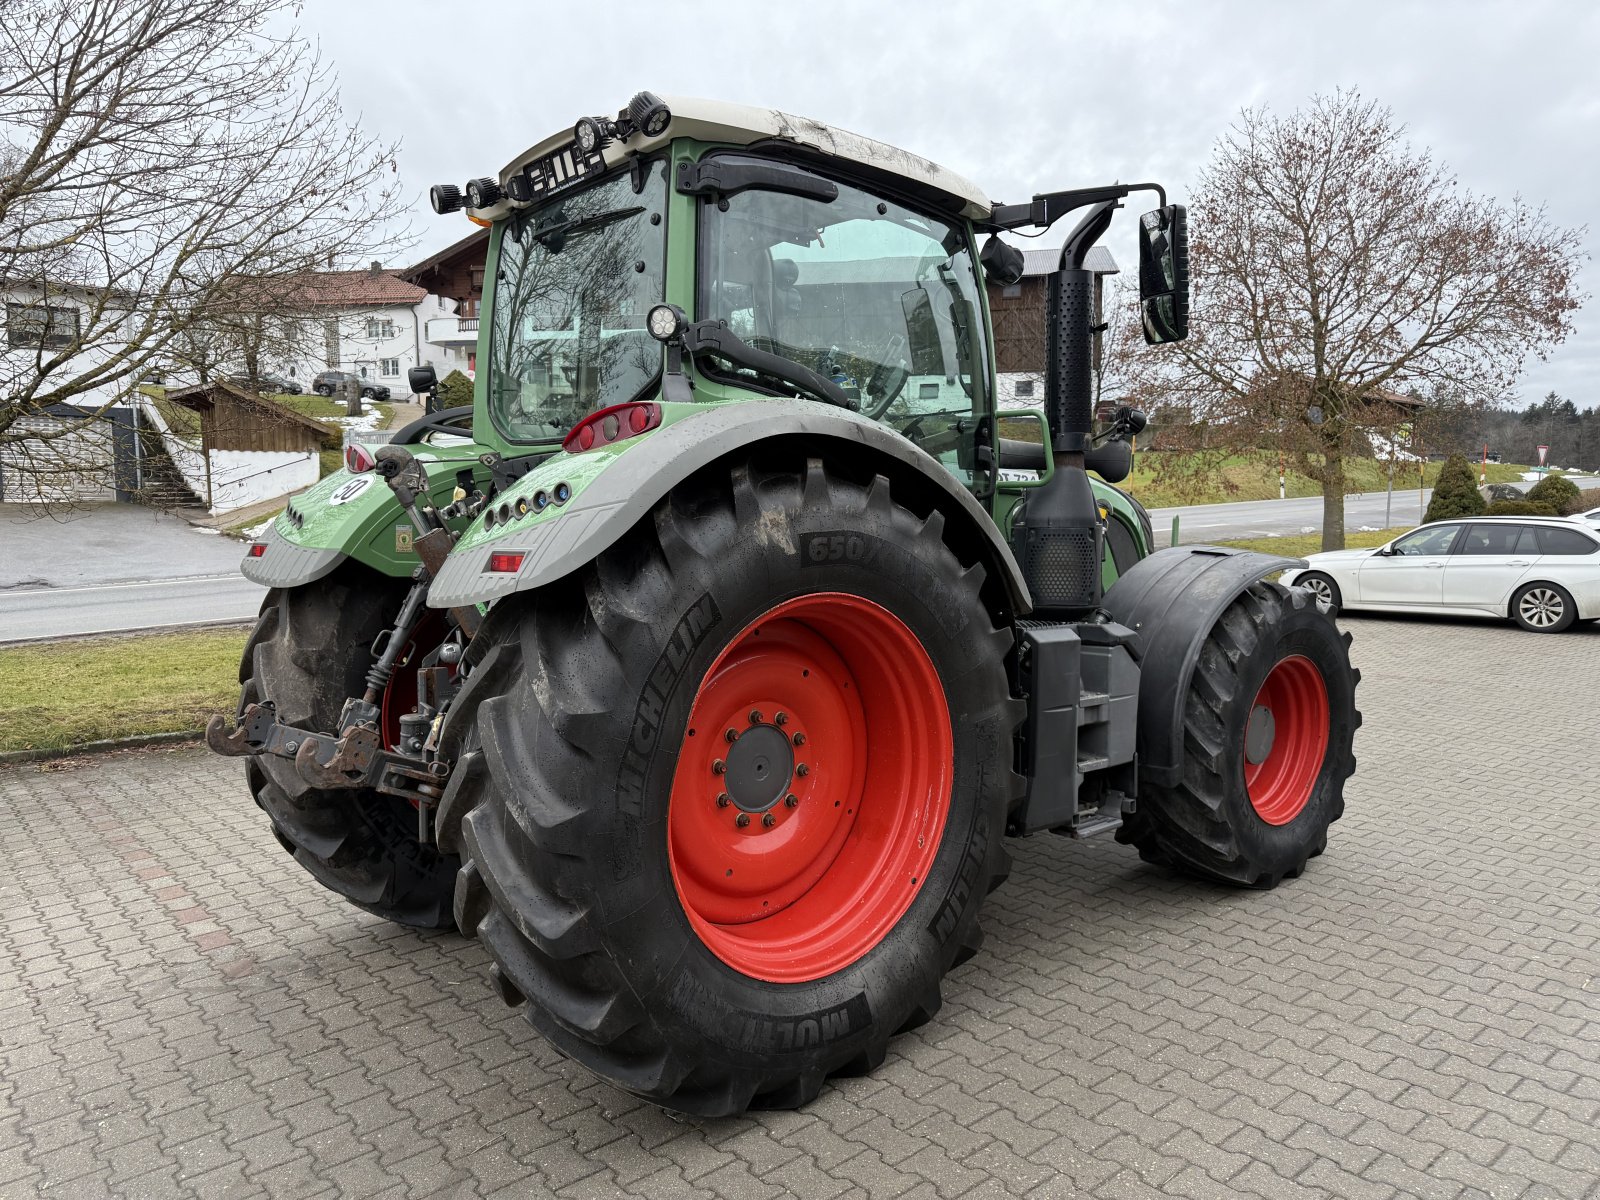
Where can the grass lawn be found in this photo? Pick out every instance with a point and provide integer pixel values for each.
(1303, 544)
(1153, 480)
(322, 408)
(61, 694)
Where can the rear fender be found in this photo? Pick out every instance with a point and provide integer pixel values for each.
(1171, 600)
(352, 516)
(615, 487)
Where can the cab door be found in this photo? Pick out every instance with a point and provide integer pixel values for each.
(1489, 560)
(1411, 570)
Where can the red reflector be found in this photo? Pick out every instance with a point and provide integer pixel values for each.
(358, 459)
(257, 549)
(506, 562)
(613, 424)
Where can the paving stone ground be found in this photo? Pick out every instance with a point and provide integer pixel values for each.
(186, 1013)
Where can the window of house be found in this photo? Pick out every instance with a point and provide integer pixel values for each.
(41, 326)
(363, 372)
(389, 366)
(377, 329)
(1024, 389)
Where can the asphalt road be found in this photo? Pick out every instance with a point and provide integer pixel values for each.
(31, 614)
(1263, 518)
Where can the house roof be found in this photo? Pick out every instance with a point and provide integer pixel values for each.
(357, 289)
(200, 397)
(471, 249)
(1044, 262)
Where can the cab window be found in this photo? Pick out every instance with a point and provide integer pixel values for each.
(879, 298)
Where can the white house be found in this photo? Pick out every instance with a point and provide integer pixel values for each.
(84, 448)
(369, 322)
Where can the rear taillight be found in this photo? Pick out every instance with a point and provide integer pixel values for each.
(358, 459)
(506, 563)
(257, 549)
(612, 424)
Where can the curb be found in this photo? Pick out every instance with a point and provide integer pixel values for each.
(130, 743)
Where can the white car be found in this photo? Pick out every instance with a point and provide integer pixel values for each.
(1592, 517)
(1541, 572)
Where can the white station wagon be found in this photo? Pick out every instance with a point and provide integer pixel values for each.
(1541, 572)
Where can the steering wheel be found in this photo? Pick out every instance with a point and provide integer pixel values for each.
(885, 385)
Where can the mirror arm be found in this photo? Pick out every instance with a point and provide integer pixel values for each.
(1049, 207)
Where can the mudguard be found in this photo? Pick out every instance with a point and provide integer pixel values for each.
(1171, 600)
(612, 488)
(351, 515)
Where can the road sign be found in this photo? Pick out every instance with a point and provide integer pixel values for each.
(1543, 453)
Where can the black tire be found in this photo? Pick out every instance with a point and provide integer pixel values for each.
(1544, 608)
(308, 653)
(323, 389)
(369, 393)
(1322, 587)
(1207, 824)
(566, 875)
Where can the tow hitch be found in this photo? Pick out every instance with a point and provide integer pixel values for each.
(356, 756)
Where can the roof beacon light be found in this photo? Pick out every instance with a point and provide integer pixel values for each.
(358, 459)
(614, 424)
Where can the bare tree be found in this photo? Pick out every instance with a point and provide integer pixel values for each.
(1334, 268)
(164, 164)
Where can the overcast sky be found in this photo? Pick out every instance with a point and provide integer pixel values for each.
(1019, 97)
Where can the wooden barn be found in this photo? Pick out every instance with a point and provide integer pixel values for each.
(232, 418)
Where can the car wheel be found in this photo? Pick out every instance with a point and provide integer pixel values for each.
(1322, 587)
(323, 390)
(369, 393)
(1543, 608)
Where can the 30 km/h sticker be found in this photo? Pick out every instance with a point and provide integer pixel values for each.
(347, 492)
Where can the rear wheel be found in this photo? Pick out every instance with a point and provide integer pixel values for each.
(323, 389)
(308, 653)
(1269, 727)
(731, 796)
(1544, 608)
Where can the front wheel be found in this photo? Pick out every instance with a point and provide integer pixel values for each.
(732, 795)
(1544, 608)
(1269, 728)
(1322, 587)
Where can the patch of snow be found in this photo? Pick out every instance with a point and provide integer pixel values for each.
(1308, 529)
(1367, 529)
(207, 529)
(1386, 450)
(256, 531)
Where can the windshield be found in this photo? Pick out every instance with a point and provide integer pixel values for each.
(576, 277)
(879, 298)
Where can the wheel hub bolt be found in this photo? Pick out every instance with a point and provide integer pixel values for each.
(742, 820)
(799, 739)
(782, 718)
(755, 716)
(718, 766)
(732, 735)
(768, 820)
(791, 800)
(723, 800)
(803, 770)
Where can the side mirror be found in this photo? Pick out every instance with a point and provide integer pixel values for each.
(421, 380)
(1164, 274)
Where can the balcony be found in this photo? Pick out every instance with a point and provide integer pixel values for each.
(452, 331)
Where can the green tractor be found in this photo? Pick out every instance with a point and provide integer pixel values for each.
(702, 667)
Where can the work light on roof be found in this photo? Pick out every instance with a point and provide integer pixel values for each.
(445, 198)
(483, 193)
(592, 133)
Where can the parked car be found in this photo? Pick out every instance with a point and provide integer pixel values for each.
(275, 385)
(327, 383)
(1591, 517)
(1541, 572)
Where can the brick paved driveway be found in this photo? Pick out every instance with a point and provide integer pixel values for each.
(185, 1012)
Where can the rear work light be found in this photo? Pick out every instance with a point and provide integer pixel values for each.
(613, 424)
(358, 459)
(506, 562)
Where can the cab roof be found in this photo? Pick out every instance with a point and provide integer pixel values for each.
(744, 125)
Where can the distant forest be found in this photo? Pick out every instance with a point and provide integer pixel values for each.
(1572, 434)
